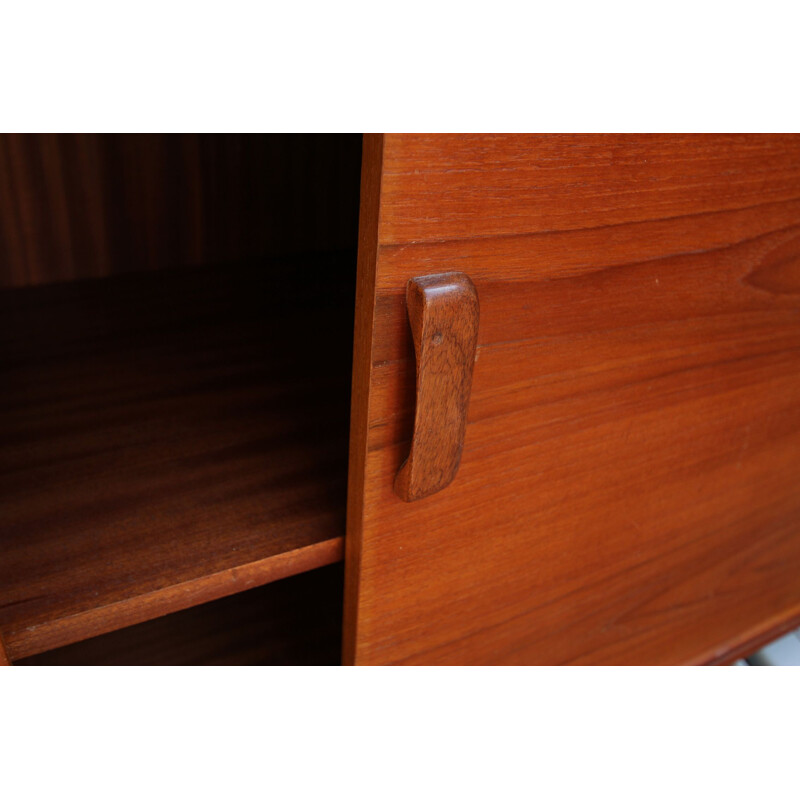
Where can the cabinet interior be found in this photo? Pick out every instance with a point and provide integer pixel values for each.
(176, 317)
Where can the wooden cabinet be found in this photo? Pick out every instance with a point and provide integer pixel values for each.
(176, 358)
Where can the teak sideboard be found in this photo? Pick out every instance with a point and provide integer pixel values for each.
(405, 399)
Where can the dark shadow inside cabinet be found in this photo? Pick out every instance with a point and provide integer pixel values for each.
(176, 320)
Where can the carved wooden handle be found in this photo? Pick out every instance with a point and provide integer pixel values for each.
(443, 312)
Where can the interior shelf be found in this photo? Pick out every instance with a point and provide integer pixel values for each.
(169, 438)
(292, 622)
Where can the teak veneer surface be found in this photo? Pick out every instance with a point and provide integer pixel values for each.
(168, 438)
(628, 485)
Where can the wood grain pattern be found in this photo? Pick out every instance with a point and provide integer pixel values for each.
(443, 313)
(628, 489)
(456, 187)
(168, 438)
(293, 622)
(92, 205)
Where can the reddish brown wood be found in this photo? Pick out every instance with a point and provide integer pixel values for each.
(466, 186)
(371, 170)
(138, 608)
(752, 640)
(627, 493)
(4, 662)
(91, 205)
(167, 439)
(443, 312)
(296, 621)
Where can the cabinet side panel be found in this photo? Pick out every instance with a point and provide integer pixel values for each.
(627, 491)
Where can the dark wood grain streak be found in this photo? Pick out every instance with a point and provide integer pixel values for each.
(4, 661)
(443, 313)
(293, 622)
(168, 438)
(627, 493)
(91, 205)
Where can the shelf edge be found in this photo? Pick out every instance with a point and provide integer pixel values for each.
(141, 608)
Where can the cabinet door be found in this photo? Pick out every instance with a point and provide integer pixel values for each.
(628, 487)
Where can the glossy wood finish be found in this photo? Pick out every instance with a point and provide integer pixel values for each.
(443, 313)
(628, 489)
(295, 621)
(91, 205)
(167, 439)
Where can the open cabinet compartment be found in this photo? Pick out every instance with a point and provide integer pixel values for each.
(174, 428)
